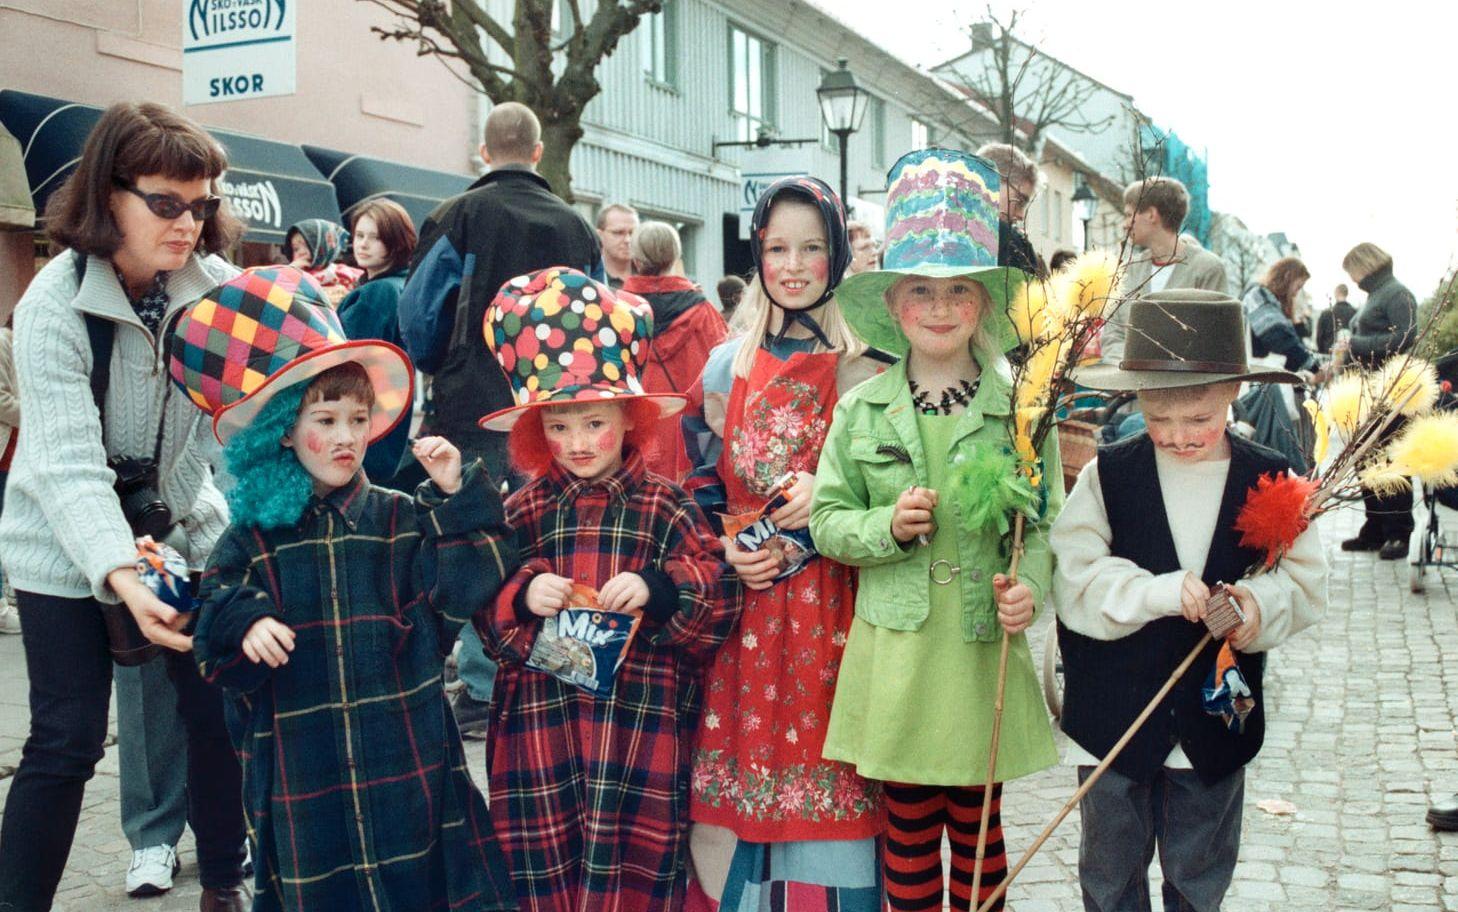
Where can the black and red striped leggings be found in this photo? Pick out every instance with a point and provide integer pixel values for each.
(919, 814)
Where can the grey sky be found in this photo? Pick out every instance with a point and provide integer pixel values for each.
(1330, 121)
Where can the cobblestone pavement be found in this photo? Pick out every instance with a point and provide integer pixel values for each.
(1361, 733)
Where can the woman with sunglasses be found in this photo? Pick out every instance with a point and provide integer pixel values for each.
(140, 219)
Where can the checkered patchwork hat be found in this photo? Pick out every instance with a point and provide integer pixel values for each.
(265, 330)
(561, 337)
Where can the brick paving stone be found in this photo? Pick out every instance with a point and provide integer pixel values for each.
(1361, 734)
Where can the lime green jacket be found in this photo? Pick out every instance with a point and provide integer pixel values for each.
(872, 454)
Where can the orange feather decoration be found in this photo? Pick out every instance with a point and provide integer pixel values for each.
(1275, 513)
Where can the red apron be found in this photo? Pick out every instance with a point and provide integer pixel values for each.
(757, 764)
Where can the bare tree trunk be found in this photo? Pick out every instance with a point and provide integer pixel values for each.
(559, 138)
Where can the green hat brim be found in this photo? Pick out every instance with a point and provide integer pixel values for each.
(862, 300)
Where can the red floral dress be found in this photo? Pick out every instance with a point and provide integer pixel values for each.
(758, 769)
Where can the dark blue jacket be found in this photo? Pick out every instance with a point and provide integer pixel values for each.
(507, 224)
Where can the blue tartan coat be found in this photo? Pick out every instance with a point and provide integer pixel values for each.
(354, 777)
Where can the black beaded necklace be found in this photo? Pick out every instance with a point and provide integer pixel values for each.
(951, 397)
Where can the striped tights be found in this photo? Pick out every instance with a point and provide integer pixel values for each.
(918, 816)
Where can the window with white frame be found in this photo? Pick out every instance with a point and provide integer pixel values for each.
(878, 131)
(920, 135)
(1057, 215)
(751, 82)
(659, 40)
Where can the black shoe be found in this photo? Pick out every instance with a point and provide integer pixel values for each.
(1393, 549)
(472, 715)
(1362, 544)
(1443, 815)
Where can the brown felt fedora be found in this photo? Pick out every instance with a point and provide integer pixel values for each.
(1184, 337)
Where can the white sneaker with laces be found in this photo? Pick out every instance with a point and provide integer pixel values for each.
(151, 871)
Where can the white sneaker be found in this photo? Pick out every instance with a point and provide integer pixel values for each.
(151, 871)
(9, 618)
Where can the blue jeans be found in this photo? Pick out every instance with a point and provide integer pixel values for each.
(151, 745)
(1195, 827)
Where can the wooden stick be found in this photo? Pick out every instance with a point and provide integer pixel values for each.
(1098, 771)
(1012, 574)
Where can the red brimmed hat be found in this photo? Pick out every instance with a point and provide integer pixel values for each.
(561, 338)
(265, 330)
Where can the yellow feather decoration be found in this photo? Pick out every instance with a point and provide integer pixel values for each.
(1035, 378)
(1086, 285)
(1024, 422)
(1322, 425)
(1428, 448)
(1348, 403)
(1410, 381)
(1029, 311)
(1385, 478)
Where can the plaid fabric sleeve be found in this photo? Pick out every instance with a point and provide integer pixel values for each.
(466, 549)
(234, 595)
(506, 634)
(708, 593)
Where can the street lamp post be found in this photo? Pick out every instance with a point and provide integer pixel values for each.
(1085, 205)
(842, 107)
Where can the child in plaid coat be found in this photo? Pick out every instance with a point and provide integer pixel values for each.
(590, 792)
(327, 610)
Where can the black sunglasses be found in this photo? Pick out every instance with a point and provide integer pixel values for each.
(167, 206)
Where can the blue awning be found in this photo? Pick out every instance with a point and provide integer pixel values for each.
(270, 185)
(357, 178)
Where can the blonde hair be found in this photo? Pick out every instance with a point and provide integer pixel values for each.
(655, 248)
(753, 315)
(1013, 165)
(1365, 259)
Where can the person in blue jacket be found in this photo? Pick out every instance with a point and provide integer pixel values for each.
(383, 242)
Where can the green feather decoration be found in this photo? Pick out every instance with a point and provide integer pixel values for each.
(988, 489)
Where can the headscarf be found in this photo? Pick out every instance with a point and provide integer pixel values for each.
(832, 212)
(326, 241)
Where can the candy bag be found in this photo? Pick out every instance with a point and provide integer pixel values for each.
(754, 530)
(583, 644)
(164, 571)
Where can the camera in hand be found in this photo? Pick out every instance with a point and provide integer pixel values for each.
(136, 487)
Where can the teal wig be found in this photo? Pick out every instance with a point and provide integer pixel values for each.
(273, 488)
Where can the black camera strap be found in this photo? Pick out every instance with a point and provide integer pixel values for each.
(101, 333)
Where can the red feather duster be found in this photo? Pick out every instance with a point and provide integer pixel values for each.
(1276, 511)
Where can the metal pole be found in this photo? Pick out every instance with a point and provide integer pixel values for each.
(843, 136)
(1085, 234)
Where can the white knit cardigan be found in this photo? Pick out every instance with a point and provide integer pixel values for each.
(63, 530)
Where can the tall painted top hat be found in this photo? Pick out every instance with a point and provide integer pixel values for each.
(941, 222)
(1184, 337)
(265, 330)
(562, 338)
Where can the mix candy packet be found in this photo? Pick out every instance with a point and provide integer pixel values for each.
(164, 571)
(583, 644)
(755, 530)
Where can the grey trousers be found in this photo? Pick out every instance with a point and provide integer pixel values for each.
(1194, 826)
(152, 754)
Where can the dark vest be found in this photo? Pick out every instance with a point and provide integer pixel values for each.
(1107, 683)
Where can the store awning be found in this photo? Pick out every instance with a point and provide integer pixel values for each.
(16, 209)
(270, 185)
(357, 178)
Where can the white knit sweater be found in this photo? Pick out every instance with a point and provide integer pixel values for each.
(63, 530)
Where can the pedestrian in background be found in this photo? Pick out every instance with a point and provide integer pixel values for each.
(1021, 181)
(730, 289)
(616, 223)
(686, 326)
(1334, 321)
(1384, 328)
(1268, 309)
(317, 246)
(383, 243)
(143, 219)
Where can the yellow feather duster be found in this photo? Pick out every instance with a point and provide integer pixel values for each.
(1410, 381)
(1348, 403)
(1428, 448)
(1035, 378)
(1086, 286)
(1024, 421)
(1029, 311)
(1385, 478)
(1322, 425)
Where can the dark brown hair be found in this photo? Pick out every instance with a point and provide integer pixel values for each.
(1164, 195)
(1283, 278)
(134, 140)
(343, 381)
(393, 224)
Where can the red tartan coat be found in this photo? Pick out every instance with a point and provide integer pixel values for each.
(591, 794)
